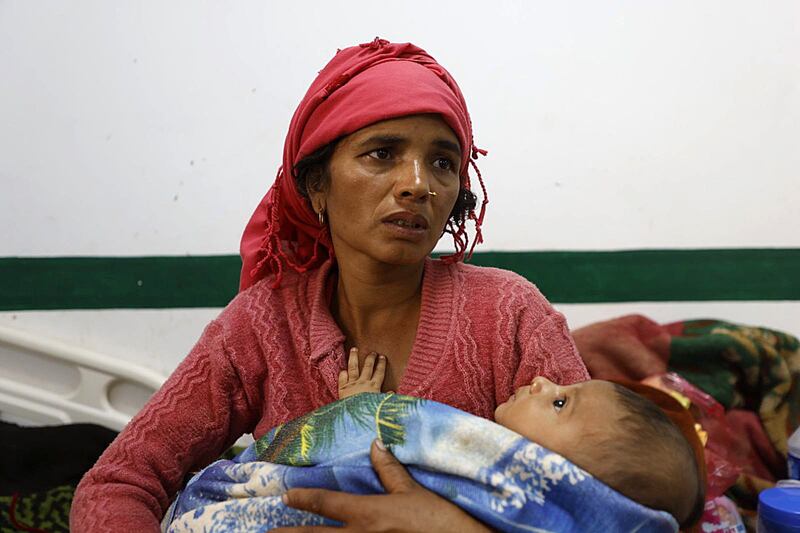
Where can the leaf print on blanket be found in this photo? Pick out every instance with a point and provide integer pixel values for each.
(301, 441)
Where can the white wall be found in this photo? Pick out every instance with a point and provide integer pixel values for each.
(149, 128)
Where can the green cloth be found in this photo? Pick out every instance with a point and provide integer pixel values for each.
(47, 510)
(743, 367)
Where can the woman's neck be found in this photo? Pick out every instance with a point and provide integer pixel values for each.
(370, 298)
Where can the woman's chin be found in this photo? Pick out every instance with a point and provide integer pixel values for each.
(391, 253)
(404, 254)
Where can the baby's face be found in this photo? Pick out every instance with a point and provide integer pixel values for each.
(559, 417)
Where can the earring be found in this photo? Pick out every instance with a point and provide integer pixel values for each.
(321, 217)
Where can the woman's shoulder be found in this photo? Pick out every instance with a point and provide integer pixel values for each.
(266, 287)
(266, 297)
(490, 291)
(491, 280)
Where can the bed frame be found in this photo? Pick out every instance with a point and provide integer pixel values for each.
(48, 382)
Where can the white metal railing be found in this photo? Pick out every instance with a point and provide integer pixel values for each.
(82, 386)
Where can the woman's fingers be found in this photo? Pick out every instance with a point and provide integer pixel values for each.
(352, 365)
(406, 507)
(393, 475)
(328, 503)
(342, 378)
(307, 529)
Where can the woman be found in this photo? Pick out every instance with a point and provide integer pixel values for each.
(375, 170)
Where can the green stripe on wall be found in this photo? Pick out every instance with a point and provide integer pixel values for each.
(564, 277)
(117, 282)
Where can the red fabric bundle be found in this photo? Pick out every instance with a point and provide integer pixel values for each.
(361, 85)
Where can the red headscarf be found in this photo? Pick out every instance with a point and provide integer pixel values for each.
(361, 85)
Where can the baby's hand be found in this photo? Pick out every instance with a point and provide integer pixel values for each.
(351, 383)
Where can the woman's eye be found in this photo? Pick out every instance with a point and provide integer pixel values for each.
(559, 403)
(381, 153)
(443, 163)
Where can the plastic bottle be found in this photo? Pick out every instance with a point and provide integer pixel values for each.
(779, 510)
(793, 459)
(779, 507)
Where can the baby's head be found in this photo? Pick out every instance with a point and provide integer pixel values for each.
(621, 438)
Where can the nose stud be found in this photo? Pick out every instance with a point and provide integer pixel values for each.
(433, 193)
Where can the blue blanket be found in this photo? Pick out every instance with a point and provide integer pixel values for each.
(499, 477)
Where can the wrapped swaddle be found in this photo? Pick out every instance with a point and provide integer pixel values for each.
(504, 480)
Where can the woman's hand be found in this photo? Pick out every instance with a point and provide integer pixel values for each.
(407, 506)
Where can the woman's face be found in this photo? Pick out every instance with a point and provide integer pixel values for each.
(377, 201)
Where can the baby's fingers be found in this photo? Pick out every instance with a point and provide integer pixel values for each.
(380, 371)
(369, 363)
(352, 365)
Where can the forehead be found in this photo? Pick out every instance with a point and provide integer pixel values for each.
(599, 398)
(426, 127)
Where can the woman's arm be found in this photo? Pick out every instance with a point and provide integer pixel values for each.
(546, 349)
(531, 337)
(198, 412)
(407, 506)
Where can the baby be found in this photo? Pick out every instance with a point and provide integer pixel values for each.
(621, 438)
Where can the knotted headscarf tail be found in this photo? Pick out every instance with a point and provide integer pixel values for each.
(360, 86)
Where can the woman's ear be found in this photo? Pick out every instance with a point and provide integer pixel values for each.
(318, 201)
(316, 185)
(317, 204)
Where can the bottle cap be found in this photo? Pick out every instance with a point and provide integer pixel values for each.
(780, 505)
(794, 442)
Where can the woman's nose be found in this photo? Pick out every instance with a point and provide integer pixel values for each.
(540, 384)
(412, 181)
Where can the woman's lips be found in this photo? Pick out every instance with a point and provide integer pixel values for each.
(407, 219)
(406, 231)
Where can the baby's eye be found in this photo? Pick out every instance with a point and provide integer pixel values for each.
(559, 404)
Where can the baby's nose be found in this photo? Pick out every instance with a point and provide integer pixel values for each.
(539, 384)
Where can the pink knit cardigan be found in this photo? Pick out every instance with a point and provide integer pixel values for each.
(274, 354)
